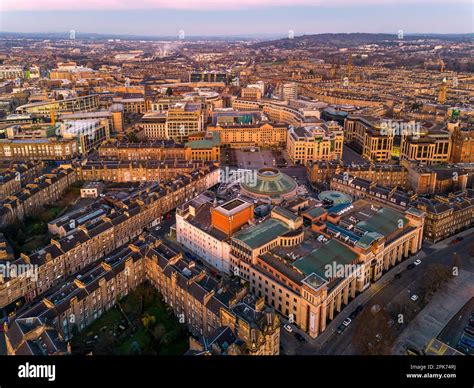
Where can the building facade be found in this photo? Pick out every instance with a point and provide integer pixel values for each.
(195, 298)
(38, 149)
(87, 244)
(312, 143)
(251, 135)
(365, 135)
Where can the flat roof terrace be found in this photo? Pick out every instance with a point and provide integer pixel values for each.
(383, 220)
(261, 234)
(233, 204)
(330, 253)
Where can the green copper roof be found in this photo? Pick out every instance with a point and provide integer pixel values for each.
(270, 182)
(314, 212)
(205, 143)
(285, 213)
(328, 254)
(385, 222)
(261, 234)
(336, 196)
(367, 239)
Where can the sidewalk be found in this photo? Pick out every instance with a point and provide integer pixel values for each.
(445, 243)
(431, 320)
(363, 298)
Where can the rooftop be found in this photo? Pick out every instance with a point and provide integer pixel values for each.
(385, 221)
(261, 234)
(270, 182)
(329, 253)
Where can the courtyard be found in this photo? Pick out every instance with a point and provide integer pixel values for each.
(140, 323)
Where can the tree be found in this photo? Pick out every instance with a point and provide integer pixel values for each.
(105, 344)
(158, 332)
(148, 321)
(434, 277)
(169, 92)
(169, 337)
(20, 237)
(132, 137)
(372, 333)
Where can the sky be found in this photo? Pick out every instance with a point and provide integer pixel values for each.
(236, 17)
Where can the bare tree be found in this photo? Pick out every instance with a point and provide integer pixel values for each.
(372, 333)
(434, 277)
(471, 249)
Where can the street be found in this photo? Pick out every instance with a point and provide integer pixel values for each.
(390, 293)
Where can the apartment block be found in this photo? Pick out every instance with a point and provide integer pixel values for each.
(52, 148)
(316, 142)
(364, 134)
(206, 305)
(30, 199)
(70, 254)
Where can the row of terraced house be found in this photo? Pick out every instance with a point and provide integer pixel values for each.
(221, 316)
(87, 244)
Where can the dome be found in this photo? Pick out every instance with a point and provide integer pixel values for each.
(270, 184)
(335, 197)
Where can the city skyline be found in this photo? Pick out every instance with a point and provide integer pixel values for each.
(236, 178)
(261, 19)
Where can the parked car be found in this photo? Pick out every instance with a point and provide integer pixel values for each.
(469, 330)
(340, 329)
(411, 266)
(411, 351)
(417, 262)
(359, 308)
(414, 297)
(356, 312)
(398, 276)
(299, 337)
(288, 328)
(347, 322)
(457, 239)
(467, 339)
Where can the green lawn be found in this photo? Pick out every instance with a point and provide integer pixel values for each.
(32, 233)
(141, 337)
(164, 335)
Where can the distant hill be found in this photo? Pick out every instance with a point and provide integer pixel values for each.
(94, 36)
(354, 39)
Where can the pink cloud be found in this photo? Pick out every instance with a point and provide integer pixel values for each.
(50, 5)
